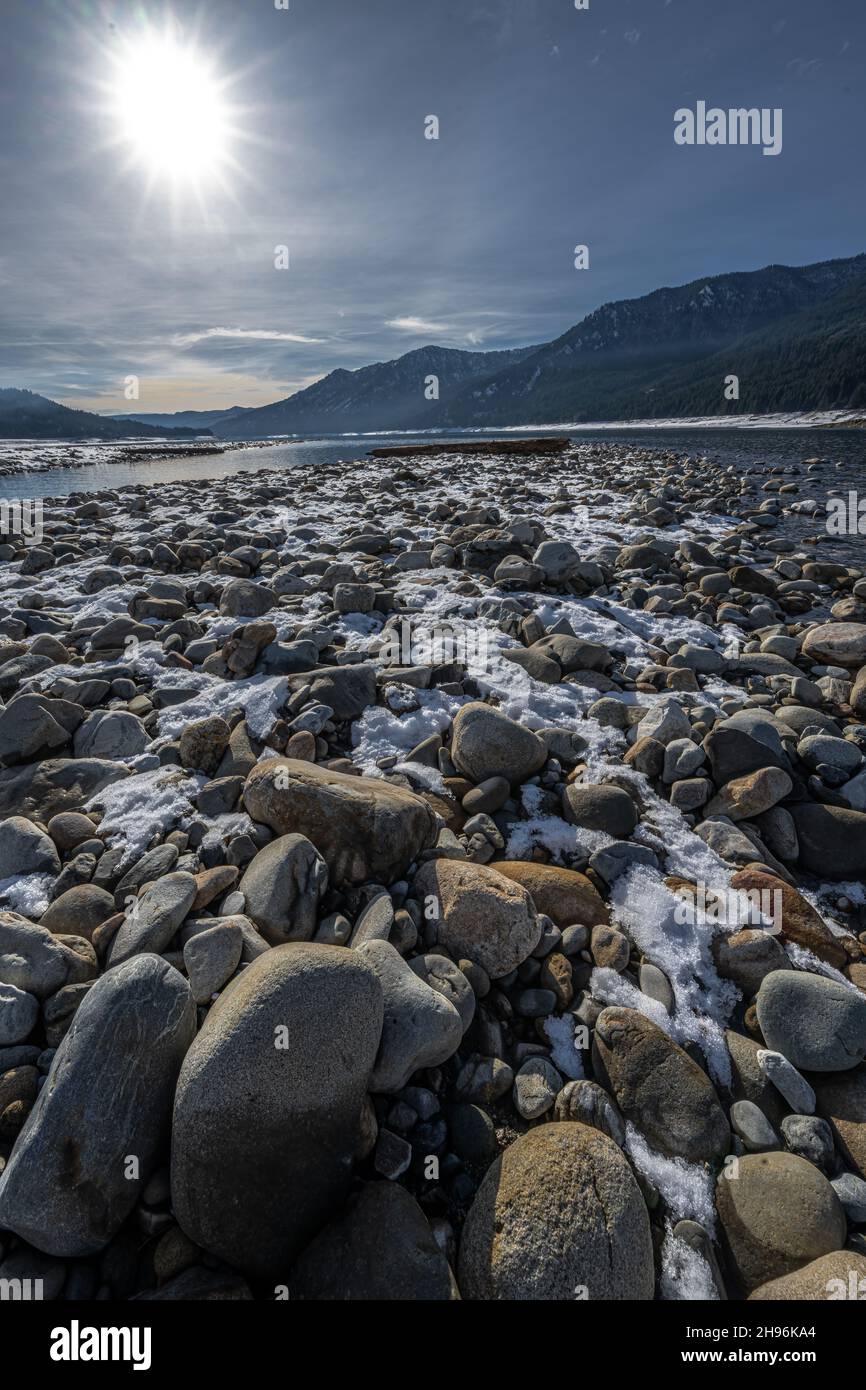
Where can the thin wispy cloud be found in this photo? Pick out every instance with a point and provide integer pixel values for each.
(264, 335)
(415, 325)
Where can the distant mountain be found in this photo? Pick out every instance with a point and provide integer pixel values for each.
(198, 420)
(384, 396)
(24, 415)
(668, 353)
(793, 335)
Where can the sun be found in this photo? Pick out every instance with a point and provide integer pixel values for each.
(168, 106)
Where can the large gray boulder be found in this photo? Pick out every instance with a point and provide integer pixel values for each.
(819, 1024)
(486, 743)
(115, 734)
(382, 1248)
(41, 790)
(282, 886)
(267, 1118)
(90, 1143)
(836, 644)
(364, 827)
(349, 690)
(25, 849)
(658, 1087)
(34, 960)
(421, 1028)
(558, 1216)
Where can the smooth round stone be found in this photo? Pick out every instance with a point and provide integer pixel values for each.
(811, 1138)
(19, 1012)
(267, 1116)
(776, 1213)
(473, 1136)
(600, 808)
(753, 1127)
(839, 1275)
(535, 1088)
(558, 1216)
(488, 796)
(836, 752)
(108, 1096)
(421, 1028)
(381, 1248)
(817, 1023)
(656, 985)
(788, 1082)
(851, 1192)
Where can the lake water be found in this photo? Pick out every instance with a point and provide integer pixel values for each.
(843, 449)
(742, 447)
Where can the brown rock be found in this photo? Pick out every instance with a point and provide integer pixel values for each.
(841, 1101)
(777, 1213)
(562, 895)
(658, 1087)
(800, 921)
(827, 1278)
(482, 915)
(364, 827)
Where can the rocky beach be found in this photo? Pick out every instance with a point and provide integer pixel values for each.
(436, 876)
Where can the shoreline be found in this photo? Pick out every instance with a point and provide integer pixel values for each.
(128, 451)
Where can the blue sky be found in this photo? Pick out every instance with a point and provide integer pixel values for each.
(556, 128)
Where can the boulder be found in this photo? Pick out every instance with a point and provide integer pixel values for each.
(827, 1278)
(113, 734)
(658, 1087)
(800, 921)
(25, 849)
(558, 1216)
(152, 920)
(776, 1213)
(482, 915)
(37, 962)
(563, 895)
(817, 1023)
(69, 1184)
(364, 827)
(599, 807)
(348, 690)
(267, 1116)
(832, 840)
(841, 1100)
(486, 743)
(836, 644)
(381, 1249)
(79, 911)
(421, 1028)
(747, 956)
(282, 887)
(40, 790)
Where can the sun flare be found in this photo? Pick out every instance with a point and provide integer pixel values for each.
(170, 112)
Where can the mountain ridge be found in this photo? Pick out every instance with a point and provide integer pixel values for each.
(627, 358)
(27, 415)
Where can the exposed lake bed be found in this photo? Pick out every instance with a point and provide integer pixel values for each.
(447, 765)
